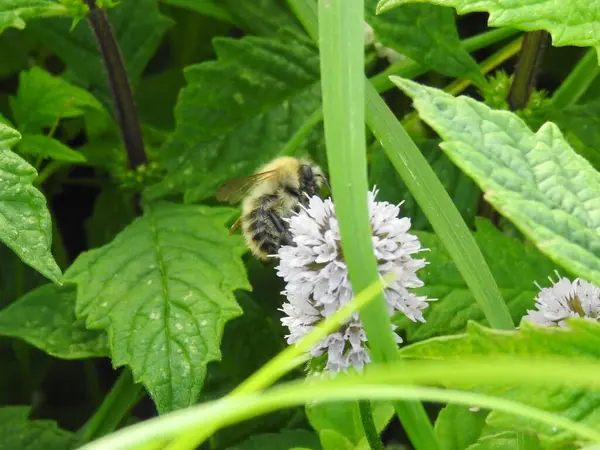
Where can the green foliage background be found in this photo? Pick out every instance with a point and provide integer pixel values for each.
(122, 295)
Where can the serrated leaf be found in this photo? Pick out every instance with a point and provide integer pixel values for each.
(426, 34)
(534, 179)
(14, 13)
(514, 265)
(463, 191)
(333, 420)
(268, 88)
(43, 98)
(580, 125)
(25, 225)
(138, 28)
(569, 22)
(163, 290)
(45, 317)
(47, 148)
(581, 339)
(17, 432)
(457, 427)
(284, 440)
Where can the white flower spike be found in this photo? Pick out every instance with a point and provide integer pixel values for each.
(565, 299)
(317, 278)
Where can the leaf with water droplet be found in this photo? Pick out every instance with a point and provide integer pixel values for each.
(25, 225)
(163, 291)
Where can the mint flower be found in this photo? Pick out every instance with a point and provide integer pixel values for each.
(565, 299)
(317, 282)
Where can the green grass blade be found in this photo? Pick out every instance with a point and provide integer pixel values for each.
(341, 46)
(384, 382)
(437, 205)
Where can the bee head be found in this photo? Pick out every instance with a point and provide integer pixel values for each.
(311, 178)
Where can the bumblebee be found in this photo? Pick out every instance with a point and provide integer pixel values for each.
(272, 194)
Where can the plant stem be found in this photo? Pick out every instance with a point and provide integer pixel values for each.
(578, 81)
(488, 38)
(486, 66)
(527, 69)
(123, 101)
(116, 405)
(48, 170)
(366, 416)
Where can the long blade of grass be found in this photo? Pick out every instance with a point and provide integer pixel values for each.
(341, 45)
(383, 382)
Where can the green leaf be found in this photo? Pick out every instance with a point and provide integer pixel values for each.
(581, 339)
(427, 34)
(332, 440)
(534, 179)
(205, 7)
(138, 28)
(569, 21)
(14, 13)
(47, 148)
(342, 419)
(17, 432)
(581, 126)
(456, 427)
(462, 189)
(25, 225)
(515, 266)
(268, 88)
(43, 98)
(284, 440)
(45, 317)
(506, 440)
(263, 17)
(163, 290)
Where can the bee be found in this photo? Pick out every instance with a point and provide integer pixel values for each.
(272, 194)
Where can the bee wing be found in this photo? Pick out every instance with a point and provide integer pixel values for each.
(234, 190)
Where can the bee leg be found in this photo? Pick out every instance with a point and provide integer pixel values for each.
(277, 222)
(280, 226)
